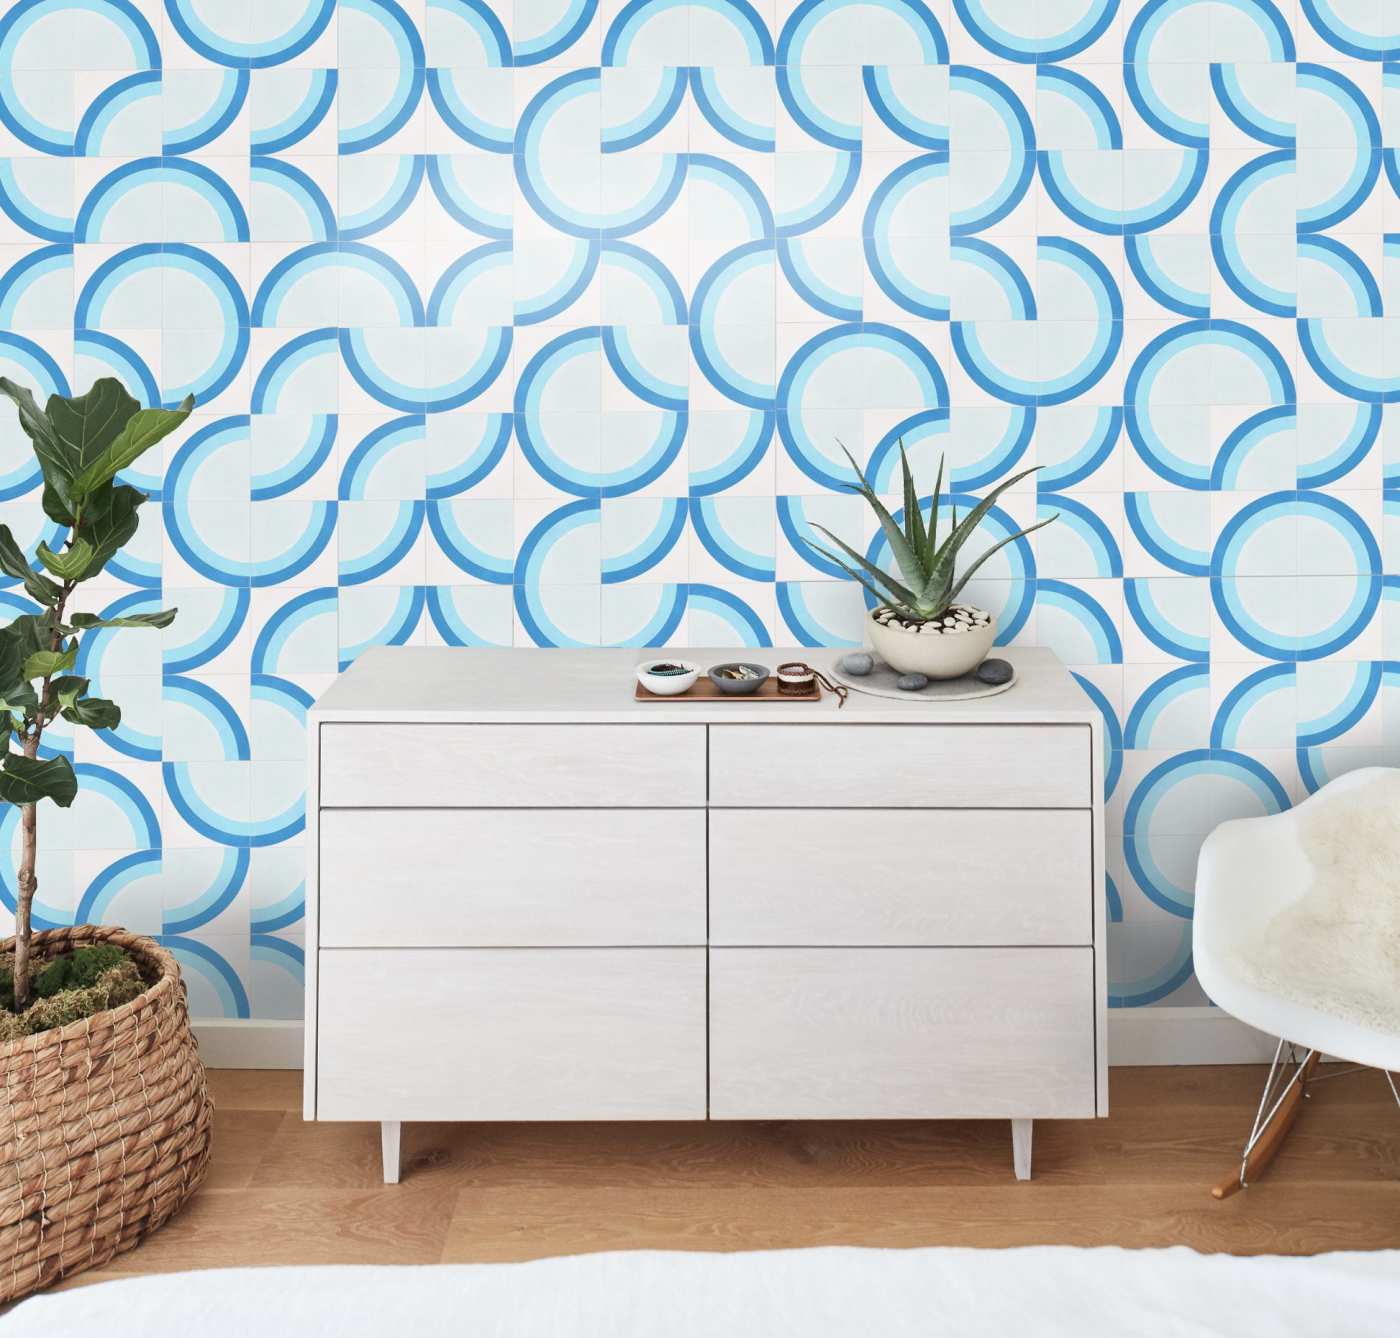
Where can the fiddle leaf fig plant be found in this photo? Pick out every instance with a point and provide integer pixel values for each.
(82, 443)
(930, 582)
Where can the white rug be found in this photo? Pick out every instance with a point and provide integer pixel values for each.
(830, 1293)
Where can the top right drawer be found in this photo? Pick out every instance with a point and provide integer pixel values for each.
(900, 766)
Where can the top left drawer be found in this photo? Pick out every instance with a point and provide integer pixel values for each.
(512, 766)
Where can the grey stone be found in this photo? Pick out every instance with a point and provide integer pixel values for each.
(911, 682)
(857, 664)
(994, 672)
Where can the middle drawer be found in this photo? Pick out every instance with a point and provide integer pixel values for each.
(912, 877)
(512, 877)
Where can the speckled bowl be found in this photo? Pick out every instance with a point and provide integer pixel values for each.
(739, 687)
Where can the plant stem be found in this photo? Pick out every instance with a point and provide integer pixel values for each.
(27, 882)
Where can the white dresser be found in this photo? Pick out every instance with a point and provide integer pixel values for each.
(530, 897)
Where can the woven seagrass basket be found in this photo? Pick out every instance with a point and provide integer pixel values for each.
(104, 1124)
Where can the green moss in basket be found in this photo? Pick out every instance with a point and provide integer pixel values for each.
(70, 986)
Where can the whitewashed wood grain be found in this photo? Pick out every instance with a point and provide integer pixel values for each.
(900, 876)
(901, 1033)
(310, 982)
(512, 1034)
(512, 766)
(900, 766)
(512, 877)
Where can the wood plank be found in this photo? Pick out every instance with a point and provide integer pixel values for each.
(501, 1225)
(222, 1228)
(255, 1089)
(513, 1191)
(679, 1154)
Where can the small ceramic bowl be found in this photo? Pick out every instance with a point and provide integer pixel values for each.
(738, 687)
(669, 677)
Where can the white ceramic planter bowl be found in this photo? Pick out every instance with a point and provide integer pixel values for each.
(938, 655)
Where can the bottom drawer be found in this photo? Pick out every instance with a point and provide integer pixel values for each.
(511, 1034)
(901, 1033)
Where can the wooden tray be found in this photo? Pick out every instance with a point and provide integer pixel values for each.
(703, 690)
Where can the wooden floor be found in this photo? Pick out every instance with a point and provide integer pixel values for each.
(284, 1192)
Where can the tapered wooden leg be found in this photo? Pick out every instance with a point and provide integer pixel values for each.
(1021, 1147)
(1270, 1138)
(389, 1146)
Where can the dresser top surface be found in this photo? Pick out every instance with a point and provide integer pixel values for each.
(442, 684)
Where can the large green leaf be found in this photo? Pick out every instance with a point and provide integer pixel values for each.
(142, 431)
(69, 688)
(19, 698)
(57, 506)
(11, 663)
(94, 712)
(84, 621)
(46, 663)
(28, 633)
(26, 780)
(53, 459)
(69, 565)
(109, 522)
(86, 425)
(14, 563)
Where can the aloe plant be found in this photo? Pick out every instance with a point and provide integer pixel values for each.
(930, 580)
(82, 443)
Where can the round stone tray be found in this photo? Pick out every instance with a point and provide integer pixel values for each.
(880, 682)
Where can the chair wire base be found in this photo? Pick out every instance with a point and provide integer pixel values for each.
(1290, 1077)
(1276, 1090)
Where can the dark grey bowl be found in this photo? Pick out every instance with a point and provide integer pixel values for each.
(739, 687)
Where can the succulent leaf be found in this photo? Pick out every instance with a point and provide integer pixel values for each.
(909, 566)
(928, 567)
(932, 549)
(913, 516)
(963, 532)
(995, 548)
(895, 592)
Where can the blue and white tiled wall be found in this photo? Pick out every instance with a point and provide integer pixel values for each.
(537, 323)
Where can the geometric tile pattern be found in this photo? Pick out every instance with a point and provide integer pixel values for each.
(538, 323)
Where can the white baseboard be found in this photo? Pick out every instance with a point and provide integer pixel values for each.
(1195, 1035)
(228, 1043)
(1201, 1035)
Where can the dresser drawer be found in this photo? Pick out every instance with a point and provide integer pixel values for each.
(901, 876)
(901, 1033)
(512, 766)
(899, 766)
(511, 1034)
(443, 877)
